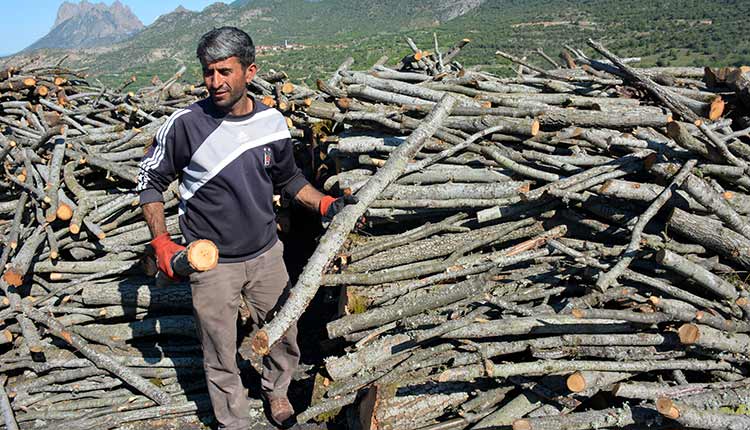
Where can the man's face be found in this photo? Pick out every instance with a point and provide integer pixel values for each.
(226, 80)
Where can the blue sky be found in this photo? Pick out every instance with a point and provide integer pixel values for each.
(23, 22)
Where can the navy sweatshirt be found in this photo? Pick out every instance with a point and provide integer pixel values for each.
(228, 168)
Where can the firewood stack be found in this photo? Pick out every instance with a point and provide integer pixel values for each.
(563, 249)
(87, 337)
(569, 249)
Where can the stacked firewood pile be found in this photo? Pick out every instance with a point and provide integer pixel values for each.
(562, 249)
(87, 337)
(567, 249)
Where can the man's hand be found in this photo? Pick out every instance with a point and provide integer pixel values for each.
(165, 250)
(330, 206)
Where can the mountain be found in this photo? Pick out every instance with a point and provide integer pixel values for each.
(86, 25)
(321, 33)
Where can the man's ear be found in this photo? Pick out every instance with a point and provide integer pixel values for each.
(250, 72)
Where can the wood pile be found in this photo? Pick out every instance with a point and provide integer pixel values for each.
(564, 249)
(88, 337)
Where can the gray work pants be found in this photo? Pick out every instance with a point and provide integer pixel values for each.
(216, 299)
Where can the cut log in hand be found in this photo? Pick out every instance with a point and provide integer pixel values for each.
(199, 256)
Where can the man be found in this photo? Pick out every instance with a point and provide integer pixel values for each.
(230, 153)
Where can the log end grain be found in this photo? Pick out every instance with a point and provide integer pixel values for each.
(673, 129)
(689, 334)
(716, 109)
(75, 228)
(203, 255)
(661, 255)
(666, 407)
(268, 101)
(535, 127)
(6, 336)
(522, 424)
(260, 342)
(13, 278)
(287, 88)
(576, 382)
(578, 313)
(344, 103)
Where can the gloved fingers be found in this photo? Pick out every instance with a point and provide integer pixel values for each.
(350, 199)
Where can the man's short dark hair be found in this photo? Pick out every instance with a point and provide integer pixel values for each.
(224, 42)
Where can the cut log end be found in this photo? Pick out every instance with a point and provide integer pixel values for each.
(661, 255)
(535, 127)
(673, 129)
(260, 343)
(75, 228)
(13, 278)
(268, 101)
(716, 110)
(203, 255)
(666, 407)
(287, 88)
(522, 424)
(689, 334)
(6, 335)
(344, 102)
(578, 313)
(576, 382)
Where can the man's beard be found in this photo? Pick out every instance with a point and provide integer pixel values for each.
(228, 101)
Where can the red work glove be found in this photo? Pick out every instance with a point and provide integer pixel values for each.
(330, 206)
(165, 250)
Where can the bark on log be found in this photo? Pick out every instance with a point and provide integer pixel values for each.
(708, 337)
(701, 276)
(103, 361)
(712, 235)
(309, 280)
(693, 417)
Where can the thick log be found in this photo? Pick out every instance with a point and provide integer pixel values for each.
(697, 418)
(708, 337)
(131, 294)
(712, 235)
(701, 276)
(562, 366)
(541, 325)
(198, 256)
(612, 417)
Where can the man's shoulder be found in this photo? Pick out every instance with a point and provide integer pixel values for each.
(195, 114)
(269, 113)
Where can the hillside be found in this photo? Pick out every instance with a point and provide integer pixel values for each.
(676, 32)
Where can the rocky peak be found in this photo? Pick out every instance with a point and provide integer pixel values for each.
(84, 24)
